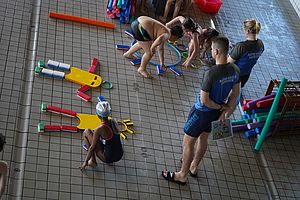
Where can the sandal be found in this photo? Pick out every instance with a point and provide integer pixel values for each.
(170, 177)
(195, 175)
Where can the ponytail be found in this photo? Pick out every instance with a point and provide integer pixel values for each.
(252, 25)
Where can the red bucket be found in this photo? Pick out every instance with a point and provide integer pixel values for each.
(209, 6)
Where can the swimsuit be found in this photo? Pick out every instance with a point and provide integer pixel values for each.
(139, 33)
(113, 150)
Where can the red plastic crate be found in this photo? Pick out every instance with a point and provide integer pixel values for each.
(209, 6)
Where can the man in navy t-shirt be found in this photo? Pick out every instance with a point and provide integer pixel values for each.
(216, 101)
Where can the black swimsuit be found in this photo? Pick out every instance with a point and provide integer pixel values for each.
(113, 150)
(139, 33)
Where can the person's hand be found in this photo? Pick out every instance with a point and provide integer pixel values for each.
(222, 117)
(225, 107)
(83, 166)
(186, 64)
(163, 67)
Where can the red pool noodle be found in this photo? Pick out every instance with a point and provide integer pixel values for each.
(253, 102)
(81, 20)
(268, 102)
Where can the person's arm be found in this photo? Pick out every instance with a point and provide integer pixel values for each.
(205, 47)
(160, 40)
(3, 176)
(207, 83)
(91, 149)
(174, 21)
(236, 53)
(205, 100)
(206, 88)
(231, 103)
(161, 55)
(196, 49)
(235, 92)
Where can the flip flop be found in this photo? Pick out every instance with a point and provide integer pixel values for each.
(193, 175)
(170, 177)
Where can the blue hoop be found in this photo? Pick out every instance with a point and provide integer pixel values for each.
(155, 64)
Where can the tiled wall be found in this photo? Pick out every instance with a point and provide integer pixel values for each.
(296, 5)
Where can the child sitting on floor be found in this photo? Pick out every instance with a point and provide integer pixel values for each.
(105, 141)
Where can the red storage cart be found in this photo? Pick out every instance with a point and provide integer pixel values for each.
(209, 6)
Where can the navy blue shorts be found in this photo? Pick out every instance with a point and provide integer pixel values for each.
(199, 121)
(139, 33)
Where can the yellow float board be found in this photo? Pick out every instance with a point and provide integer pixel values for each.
(83, 77)
(88, 121)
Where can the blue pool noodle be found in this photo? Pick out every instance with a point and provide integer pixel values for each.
(109, 4)
(124, 3)
(127, 11)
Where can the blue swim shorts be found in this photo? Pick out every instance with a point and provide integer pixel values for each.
(199, 121)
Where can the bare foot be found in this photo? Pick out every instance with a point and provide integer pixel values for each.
(145, 74)
(129, 56)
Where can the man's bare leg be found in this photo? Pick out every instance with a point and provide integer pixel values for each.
(145, 59)
(199, 152)
(190, 51)
(166, 13)
(129, 54)
(187, 157)
(178, 5)
(143, 7)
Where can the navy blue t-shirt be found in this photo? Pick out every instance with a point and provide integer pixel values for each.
(246, 54)
(218, 82)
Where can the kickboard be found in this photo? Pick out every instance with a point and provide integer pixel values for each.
(221, 131)
(88, 121)
(83, 77)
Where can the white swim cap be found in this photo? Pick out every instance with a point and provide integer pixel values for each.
(103, 109)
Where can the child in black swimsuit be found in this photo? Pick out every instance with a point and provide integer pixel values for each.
(105, 141)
